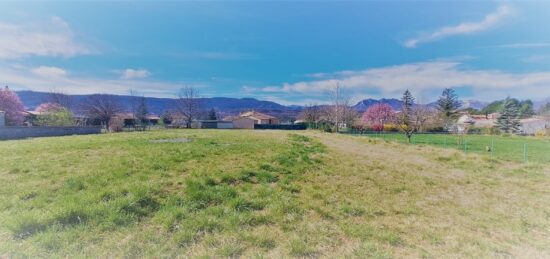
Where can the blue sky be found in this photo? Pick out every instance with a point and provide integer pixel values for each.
(289, 52)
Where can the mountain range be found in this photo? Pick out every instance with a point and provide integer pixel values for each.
(224, 105)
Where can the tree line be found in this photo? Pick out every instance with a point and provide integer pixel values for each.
(413, 117)
(58, 109)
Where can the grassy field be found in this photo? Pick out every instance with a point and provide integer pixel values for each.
(511, 148)
(232, 193)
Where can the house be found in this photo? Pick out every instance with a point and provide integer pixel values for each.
(153, 119)
(476, 121)
(212, 124)
(130, 120)
(243, 123)
(259, 118)
(2, 119)
(531, 126)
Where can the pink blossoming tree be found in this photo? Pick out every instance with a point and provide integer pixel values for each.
(48, 107)
(379, 115)
(12, 106)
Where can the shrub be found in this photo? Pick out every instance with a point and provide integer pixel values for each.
(55, 118)
(474, 130)
(391, 128)
(435, 129)
(116, 124)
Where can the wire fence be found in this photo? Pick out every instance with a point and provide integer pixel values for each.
(510, 148)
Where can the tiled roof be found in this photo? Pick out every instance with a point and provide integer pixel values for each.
(257, 115)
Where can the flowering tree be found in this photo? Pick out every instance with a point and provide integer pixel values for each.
(12, 106)
(48, 107)
(378, 115)
(53, 114)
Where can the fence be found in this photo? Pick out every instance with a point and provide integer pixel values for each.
(281, 126)
(511, 148)
(31, 132)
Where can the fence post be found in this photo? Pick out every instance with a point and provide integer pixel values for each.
(465, 145)
(525, 152)
(445, 141)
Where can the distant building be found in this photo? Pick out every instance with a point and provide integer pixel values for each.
(247, 120)
(533, 125)
(260, 118)
(476, 121)
(131, 120)
(153, 119)
(529, 126)
(212, 124)
(243, 123)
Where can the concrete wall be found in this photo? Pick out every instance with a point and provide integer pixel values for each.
(225, 125)
(2, 119)
(243, 123)
(31, 132)
(532, 127)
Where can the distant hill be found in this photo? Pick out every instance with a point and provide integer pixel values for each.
(363, 105)
(224, 105)
(478, 105)
(397, 104)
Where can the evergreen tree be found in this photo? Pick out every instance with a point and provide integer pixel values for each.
(509, 118)
(212, 114)
(448, 104)
(526, 109)
(406, 122)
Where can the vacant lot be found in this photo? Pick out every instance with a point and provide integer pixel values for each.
(190, 193)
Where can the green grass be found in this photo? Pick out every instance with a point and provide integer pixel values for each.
(233, 193)
(511, 148)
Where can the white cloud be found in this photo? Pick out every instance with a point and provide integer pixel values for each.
(464, 28)
(423, 79)
(48, 78)
(213, 55)
(134, 73)
(524, 45)
(51, 38)
(49, 72)
(536, 59)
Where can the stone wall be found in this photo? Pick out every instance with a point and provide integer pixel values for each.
(32, 132)
(2, 119)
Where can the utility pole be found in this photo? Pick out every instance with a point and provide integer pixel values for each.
(337, 102)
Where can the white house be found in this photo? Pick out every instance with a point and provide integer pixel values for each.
(533, 125)
(477, 121)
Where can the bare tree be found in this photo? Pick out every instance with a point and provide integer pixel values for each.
(311, 114)
(423, 116)
(138, 106)
(347, 114)
(339, 112)
(187, 104)
(59, 98)
(102, 107)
